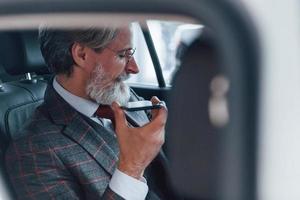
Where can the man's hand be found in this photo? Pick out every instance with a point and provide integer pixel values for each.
(139, 146)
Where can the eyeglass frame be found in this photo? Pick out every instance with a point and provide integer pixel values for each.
(128, 56)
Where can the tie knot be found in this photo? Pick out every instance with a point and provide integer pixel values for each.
(105, 111)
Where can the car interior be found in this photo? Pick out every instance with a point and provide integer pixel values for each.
(24, 78)
(227, 70)
(189, 78)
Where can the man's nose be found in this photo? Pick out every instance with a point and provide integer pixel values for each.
(132, 67)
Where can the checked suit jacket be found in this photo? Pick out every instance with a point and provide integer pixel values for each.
(60, 154)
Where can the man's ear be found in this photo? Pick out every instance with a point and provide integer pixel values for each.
(79, 54)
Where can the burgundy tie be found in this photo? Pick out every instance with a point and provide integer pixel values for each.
(105, 111)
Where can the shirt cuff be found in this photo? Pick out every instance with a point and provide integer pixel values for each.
(127, 186)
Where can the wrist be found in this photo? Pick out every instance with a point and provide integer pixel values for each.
(133, 171)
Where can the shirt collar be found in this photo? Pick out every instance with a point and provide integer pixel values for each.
(84, 106)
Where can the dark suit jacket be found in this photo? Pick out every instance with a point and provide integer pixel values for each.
(60, 155)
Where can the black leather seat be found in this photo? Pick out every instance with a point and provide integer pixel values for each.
(19, 56)
(5, 77)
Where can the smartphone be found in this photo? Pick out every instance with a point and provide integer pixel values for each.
(141, 105)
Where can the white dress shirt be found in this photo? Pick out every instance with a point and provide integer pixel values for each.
(122, 184)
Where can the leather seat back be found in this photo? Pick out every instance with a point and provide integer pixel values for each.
(18, 101)
(20, 54)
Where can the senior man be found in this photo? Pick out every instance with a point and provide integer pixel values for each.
(68, 149)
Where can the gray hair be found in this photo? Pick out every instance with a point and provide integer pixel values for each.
(56, 45)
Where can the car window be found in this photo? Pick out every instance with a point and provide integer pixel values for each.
(147, 75)
(165, 41)
(170, 39)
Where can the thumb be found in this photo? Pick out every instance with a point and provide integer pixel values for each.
(119, 115)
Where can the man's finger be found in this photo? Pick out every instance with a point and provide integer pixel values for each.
(159, 119)
(162, 114)
(155, 101)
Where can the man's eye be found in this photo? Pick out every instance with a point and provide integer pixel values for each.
(121, 55)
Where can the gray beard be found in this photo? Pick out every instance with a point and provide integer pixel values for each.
(102, 89)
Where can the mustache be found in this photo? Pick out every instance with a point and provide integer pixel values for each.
(123, 77)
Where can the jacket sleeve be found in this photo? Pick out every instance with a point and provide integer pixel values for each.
(111, 195)
(38, 173)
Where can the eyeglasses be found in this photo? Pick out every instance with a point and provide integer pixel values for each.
(127, 53)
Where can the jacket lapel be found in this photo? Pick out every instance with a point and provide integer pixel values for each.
(82, 133)
(77, 129)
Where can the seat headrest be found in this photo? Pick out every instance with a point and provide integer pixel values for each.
(20, 53)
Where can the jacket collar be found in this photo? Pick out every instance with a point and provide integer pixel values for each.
(84, 106)
(60, 111)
